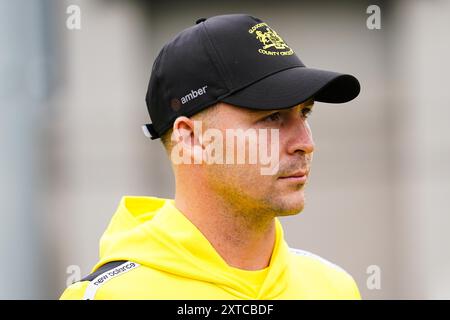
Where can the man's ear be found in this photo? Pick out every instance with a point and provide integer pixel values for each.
(187, 137)
(183, 129)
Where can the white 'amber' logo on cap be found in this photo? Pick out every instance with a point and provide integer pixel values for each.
(273, 44)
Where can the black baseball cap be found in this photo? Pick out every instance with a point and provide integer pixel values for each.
(237, 59)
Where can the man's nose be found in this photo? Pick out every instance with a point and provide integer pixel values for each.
(300, 138)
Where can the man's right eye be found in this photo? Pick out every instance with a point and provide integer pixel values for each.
(273, 117)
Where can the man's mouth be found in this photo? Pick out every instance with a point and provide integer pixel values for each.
(298, 176)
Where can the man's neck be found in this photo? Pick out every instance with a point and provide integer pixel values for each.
(245, 240)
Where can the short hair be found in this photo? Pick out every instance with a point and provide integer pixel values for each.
(201, 115)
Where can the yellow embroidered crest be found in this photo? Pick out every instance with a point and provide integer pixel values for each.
(270, 41)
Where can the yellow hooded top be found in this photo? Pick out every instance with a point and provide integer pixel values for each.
(154, 252)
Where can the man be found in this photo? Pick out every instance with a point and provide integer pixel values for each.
(226, 79)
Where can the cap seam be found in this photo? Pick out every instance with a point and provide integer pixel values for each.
(226, 76)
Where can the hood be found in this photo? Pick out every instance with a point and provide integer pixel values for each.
(154, 233)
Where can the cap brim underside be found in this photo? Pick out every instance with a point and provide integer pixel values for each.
(293, 86)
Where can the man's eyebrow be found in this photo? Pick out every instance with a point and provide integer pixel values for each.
(309, 103)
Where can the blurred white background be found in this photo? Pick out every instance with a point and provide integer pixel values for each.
(72, 106)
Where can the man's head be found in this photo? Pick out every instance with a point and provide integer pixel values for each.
(260, 90)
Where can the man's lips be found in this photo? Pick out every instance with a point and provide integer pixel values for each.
(299, 176)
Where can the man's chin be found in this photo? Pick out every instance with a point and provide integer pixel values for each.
(291, 205)
(290, 212)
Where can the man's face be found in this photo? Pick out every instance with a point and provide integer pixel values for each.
(243, 184)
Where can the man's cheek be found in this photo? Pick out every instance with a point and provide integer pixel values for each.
(269, 151)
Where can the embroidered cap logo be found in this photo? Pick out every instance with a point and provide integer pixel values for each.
(270, 40)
